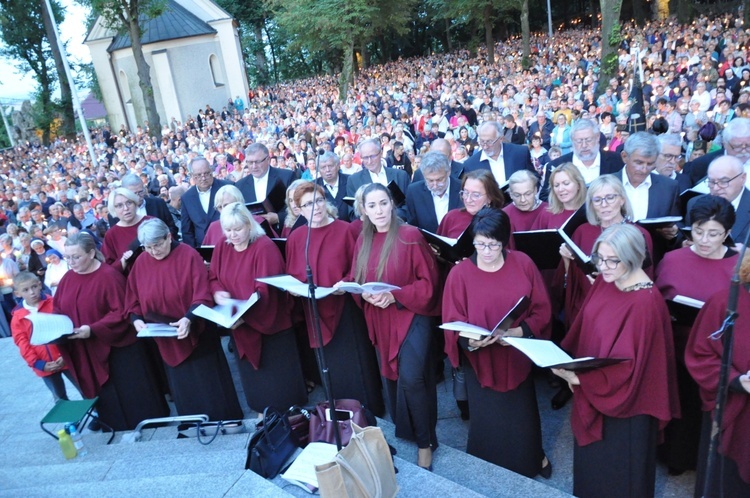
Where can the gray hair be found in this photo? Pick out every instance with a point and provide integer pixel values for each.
(642, 143)
(373, 141)
(669, 139)
(197, 159)
(498, 127)
(329, 156)
(152, 231)
(627, 242)
(596, 186)
(584, 125)
(256, 147)
(131, 180)
(125, 193)
(231, 191)
(736, 128)
(523, 176)
(435, 162)
(86, 242)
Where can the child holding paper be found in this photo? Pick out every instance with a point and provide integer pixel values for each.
(44, 360)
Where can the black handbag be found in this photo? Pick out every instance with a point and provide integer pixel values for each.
(272, 444)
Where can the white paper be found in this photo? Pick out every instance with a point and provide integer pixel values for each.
(663, 219)
(48, 327)
(158, 330)
(543, 353)
(465, 327)
(290, 284)
(688, 301)
(227, 315)
(302, 469)
(369, 287)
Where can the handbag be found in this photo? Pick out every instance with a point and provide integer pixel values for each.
(299, 418)
(363, 469)
(321, 429)
(272, 444)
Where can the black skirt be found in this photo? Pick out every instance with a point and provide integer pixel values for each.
(352, 362)
(505, 428)
(726, 479)
(131, 394)
(682, 435)
(202, 384)
(279, 381)
(622, 464)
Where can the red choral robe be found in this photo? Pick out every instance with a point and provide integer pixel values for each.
(117, 240)
(685, 273)
(355, 227)
(215, 234)
(522, 221)
(703, 359)
(411, 266)
(454, 223)
(547, 220)
(166, 290)
(615, 324)
(482, 298)
(235, 272)
(331, 251)
(95, 299)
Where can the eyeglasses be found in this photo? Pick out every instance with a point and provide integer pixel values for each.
(124, 204)
(207, 174)
(585, 141)
(742, 146)
(610, 264)
(488, 143)
(721, 183)
(250, 162)
(698, 234)
(494, 246)
(474, 196)
(69, 257)
(670, 157)
(318, 202)
(152, 247)
(518, 197)
(610, 198)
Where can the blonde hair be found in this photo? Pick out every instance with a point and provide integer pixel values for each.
(557, 207)
(599, 183)
(237, 213)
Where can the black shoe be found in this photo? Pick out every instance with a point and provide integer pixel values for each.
(561, 398)
(546, 471)
(94, 425)
(463, 407)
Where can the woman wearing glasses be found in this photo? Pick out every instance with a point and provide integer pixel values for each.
(348, 350)
(619, 409)
(121, 241)
(523, 187)
(480, 291)
(165, 286)
(709, 257)
(478, 189)
(266, 348)
(103, 354)
(400, 321)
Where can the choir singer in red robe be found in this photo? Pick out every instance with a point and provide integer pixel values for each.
(224, 196)
(478, 189)
(480, 291)
(266, 349)
(103, 354)
(566, 195)
(164, 286)
(703, 360)
(523, 188)
(121, 240)
(619, 409)
(349, 353)
(400, 322)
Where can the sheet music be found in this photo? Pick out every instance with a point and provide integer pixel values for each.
(302, 469)
(158, 330)
(290, 284)
(48, 327)
(227, 314)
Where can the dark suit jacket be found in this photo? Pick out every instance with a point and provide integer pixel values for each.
(663, 196)
(698, 169)
(420, 206)
(157, 208)
(195, 221)
(362, 177)
(611, 162)
(741, 222)
(457, 169)
(683, 181)
(343, 207)
(275, 175)
(515, 158)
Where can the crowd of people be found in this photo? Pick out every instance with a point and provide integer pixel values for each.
(651, 179)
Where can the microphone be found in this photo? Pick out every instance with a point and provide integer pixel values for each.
(321, 152)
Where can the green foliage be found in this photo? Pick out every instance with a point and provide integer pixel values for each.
(614, 36)
(4, 140)
(117, 14)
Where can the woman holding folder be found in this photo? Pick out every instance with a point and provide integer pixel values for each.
(619, 409)
(348, 350)
(400, 321)
(266, 349)
(480, 291)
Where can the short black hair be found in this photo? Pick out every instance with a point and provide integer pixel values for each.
(492, 223)
(712, 207)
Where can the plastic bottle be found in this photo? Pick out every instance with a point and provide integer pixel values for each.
(66, 444)
(78, 441)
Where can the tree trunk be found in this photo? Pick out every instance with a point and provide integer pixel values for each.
(488, 38)
(45, 91)
(273, 54)
(66, 101)
(683, 11)
(346, 70)
(746, 8)
(525, 30)
(144, 79)
(610, 42)
(261, 64)
(640, 13)
(661, 9)
(448, 40)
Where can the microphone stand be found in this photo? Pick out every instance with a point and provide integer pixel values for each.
(325, 375)
(726, 334)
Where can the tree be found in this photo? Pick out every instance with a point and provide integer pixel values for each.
(252, 17)
(68, 127)
(128, 16)
(610, 42)
(24, 35)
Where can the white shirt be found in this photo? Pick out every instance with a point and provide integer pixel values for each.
(261, 186)
(205, 198)
(590, 173)
(638, 196)
(380, 177)
(736, 202)
(441, 204)
(497, 166)
(141, 211)
(333, 188)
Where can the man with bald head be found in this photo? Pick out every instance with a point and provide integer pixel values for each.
(726, 178)
(444, 147)
(735, 138)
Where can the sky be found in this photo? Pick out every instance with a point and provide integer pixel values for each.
(15, 84)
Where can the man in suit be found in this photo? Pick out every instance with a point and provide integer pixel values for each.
(151, 206)
(265, 181)
(669, 155)
(198, 211)
(503, 159)
(726, 178)
(736, 141)
(373, 171)
(444, 147)
(429, 200)
(586, 156)
(334, 183)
